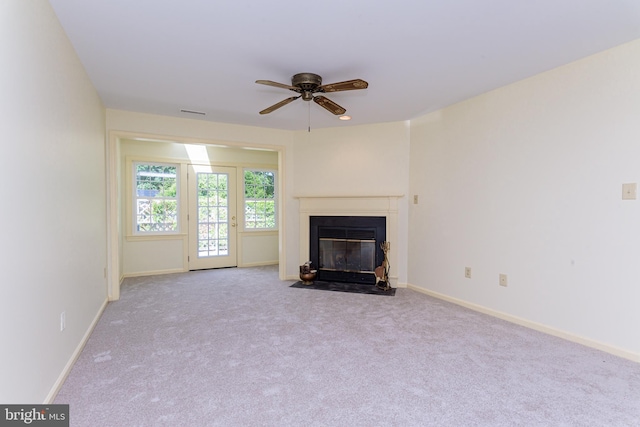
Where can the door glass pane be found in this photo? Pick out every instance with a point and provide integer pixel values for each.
(213, 223)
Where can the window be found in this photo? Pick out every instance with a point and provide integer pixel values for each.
(259, 199)
(155, 198)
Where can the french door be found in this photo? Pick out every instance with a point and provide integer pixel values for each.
(212, 217)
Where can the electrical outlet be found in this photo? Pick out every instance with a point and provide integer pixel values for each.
(63, 320)
(503, 280)
(629, 191)
(467, 272)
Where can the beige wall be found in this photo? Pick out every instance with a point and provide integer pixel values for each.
(527, 181)
(54, 213)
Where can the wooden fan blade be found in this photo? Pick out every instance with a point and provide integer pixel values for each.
(346, 85)
(278, 105)
(329, 105)
(276, 84)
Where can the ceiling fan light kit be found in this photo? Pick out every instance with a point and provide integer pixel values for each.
(307, 85)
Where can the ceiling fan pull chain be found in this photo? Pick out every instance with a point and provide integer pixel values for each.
(309, 117)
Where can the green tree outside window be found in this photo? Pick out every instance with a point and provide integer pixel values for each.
(259, 199)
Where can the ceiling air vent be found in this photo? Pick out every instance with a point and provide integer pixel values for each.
(201, 113)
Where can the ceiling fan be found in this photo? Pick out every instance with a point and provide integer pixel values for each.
(308, 84)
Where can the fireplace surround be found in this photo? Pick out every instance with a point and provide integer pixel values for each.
(366, 205)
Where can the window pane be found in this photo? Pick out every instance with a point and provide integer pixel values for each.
(259, 204)
(156, 198)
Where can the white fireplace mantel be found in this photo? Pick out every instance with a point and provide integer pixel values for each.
(360, 205)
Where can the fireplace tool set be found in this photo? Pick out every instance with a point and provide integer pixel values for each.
(382, 272)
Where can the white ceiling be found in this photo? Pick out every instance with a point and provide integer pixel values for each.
(160, 56)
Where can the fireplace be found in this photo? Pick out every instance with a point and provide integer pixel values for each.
(346, 248)
(361, 205)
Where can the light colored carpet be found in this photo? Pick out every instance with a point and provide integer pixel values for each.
(238, 347)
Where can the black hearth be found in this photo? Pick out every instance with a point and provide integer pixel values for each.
(346, 248)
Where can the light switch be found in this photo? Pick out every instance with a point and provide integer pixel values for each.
(629, 191)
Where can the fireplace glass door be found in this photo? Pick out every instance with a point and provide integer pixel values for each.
(347, 255)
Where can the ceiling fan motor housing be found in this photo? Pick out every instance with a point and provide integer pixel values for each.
(308, 84)
(306, 81)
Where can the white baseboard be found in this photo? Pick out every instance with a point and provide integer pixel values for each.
(626, 354)
(153, 273)
(67, 369)
(180, 270)
(257, 264)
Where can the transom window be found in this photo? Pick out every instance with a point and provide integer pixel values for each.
(259, 199)
(155, 198)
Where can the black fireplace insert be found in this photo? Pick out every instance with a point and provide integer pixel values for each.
(346, 248)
